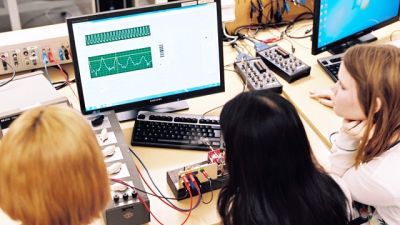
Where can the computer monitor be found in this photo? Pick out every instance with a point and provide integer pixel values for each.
(338, 24)
(140, 57)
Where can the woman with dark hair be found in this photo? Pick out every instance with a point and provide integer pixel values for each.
(273, 176)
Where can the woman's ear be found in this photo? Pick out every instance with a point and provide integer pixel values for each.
(378, 104)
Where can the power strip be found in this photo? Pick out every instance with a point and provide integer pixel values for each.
(218, 179)
(32, 48)
(286, 65)
(257, 75)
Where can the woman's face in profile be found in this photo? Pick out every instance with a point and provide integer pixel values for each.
(345, 100)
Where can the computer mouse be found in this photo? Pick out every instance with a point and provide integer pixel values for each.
(108, 151)
(118, 187)
(114, 168)
(97, 121)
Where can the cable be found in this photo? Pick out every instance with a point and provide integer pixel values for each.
(241, 57)
(249, 39)
(173, 206)
(140, 197)
(307, 31)
(212, 193)
(191, 198)
(47, 75)
(145, 204)
(67, 80)
(297, 19)
(155, 195)
(148, 208)
(12, 77)
(152, 181)
(143, 191)
(160, 197)
(234, 38)
(62, 84)
(205, 113)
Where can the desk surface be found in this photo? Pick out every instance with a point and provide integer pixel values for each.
(320, 122)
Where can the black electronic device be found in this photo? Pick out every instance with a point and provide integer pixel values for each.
(331, 65)
(131, 59)
(125, 207)
(180, 131)
(283, 63)
(219, 178)
(339, 24)
(257, 75)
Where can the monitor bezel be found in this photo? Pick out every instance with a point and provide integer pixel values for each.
(314, 46)
(159, 100)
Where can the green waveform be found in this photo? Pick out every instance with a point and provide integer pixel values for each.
(120, 62)
(117, 35)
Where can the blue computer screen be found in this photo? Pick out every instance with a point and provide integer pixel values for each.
(339, 19)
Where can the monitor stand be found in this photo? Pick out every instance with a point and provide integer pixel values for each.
(166, 107)
(361, 40)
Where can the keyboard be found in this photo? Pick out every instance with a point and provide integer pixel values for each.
(179, 131)
(331, 65)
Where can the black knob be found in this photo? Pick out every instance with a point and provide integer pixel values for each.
(134, 194)
(116, 198)
(125, 196)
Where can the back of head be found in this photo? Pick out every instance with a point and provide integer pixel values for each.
(375, 70)
(264, 131)
(272, 176)
(52, 171)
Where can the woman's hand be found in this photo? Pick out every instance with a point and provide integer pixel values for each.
(353, 128)
(323, 96)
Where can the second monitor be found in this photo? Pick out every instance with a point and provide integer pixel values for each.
(338, 24)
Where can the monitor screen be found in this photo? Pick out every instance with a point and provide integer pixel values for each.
(140, 57)
(339, 21)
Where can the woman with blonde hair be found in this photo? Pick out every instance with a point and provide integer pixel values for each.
(52, 171)
(366, 150)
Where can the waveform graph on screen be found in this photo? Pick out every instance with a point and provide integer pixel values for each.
(120, 62)
(117, 35)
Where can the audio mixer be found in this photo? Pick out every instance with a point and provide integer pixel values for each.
(286, 65)
(257, 75)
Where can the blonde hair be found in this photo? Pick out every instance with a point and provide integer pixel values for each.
(52, 171)
(375, 70)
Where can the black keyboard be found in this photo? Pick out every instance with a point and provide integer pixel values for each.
(331, 65)
(182, 131)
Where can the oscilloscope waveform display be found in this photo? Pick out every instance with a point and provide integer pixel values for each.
(120, 62)
(117, 35)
